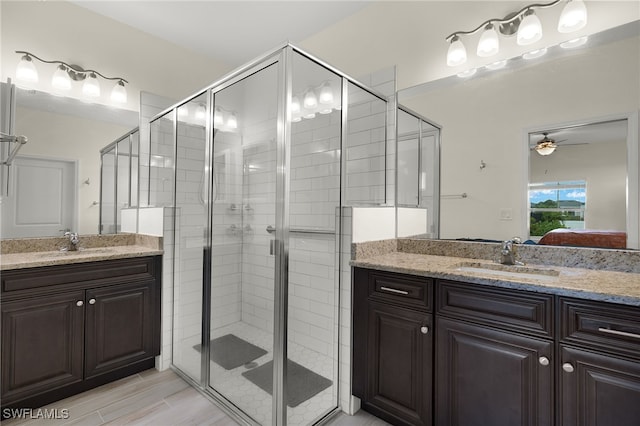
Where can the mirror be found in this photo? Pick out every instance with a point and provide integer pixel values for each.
(67, 131)
(486, 121)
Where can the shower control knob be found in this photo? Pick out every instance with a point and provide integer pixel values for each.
(424, 330)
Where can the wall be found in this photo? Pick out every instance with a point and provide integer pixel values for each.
(50, 136)
(486, 118)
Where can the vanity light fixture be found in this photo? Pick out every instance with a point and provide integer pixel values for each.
(322, 99)
(64, 75)
(524, 22)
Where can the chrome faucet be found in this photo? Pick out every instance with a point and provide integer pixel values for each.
(508, 252)
(74, 240)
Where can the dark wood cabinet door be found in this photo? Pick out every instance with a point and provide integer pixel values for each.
(598, 389)
(42, 344)
(119, 326)
(491, 377)
(399, 365)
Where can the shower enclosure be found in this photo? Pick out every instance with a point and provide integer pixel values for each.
(256, 168)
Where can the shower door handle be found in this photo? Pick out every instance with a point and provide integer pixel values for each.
(271, 229)
(272, 247)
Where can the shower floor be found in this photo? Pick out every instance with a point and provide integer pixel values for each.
(250, 398)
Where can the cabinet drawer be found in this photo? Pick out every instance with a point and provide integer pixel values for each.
(83, 274)
(406, 290)
(605, 325)
(504, 308)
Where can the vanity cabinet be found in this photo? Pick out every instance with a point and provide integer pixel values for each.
(68, 328)
(394, 346)
(494, 353)
(500, 356)
(599, 364)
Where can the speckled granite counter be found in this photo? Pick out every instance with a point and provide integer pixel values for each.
(603, 285)
(33, 252)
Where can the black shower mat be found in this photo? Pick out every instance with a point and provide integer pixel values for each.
(302, 383)
(230, 351)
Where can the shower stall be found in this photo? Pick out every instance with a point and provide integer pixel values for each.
(256, 169)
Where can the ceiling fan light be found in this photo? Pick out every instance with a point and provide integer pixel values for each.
(26, 70)
(60, 79)
(457, 54)
(530, 29)
(545, 147)
(489, 43)
(573, 17)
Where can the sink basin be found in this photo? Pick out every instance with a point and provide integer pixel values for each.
(91, 251)
(511, 271)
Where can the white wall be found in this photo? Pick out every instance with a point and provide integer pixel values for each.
(485, 119)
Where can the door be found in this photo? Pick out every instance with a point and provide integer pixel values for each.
(598, 389)
(42, 344)
(399, 364)
(490, 377)
(119, 326)
(42, 198)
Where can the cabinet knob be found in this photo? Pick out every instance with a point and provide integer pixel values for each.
(92, 301)
(424, 330)
(79, 303)
(567, 367)
(543, 360)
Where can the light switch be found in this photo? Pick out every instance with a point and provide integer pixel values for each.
(506, 214)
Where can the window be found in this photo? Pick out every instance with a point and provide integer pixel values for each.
(554, 205)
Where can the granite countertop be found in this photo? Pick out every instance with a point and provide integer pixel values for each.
(35, 252)
(609, 286)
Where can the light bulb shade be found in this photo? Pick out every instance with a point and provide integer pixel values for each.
(326, 94)
(489, 43)
(218, 117)
(545, 148)
(91, 86)
(573, 17)
(201, 112)
(295, 105)
(119, 93)
(310, 101)
(457, 54)
(60, 79)
(26, 70)
(530, 29)
(232, 121)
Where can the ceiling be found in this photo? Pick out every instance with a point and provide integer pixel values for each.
(232, 32)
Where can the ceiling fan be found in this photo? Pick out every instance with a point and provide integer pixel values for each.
(546, 145)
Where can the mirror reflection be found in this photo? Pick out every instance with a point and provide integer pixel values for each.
(491, 121)
(57, 173)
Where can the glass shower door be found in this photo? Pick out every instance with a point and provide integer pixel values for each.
(243, 205)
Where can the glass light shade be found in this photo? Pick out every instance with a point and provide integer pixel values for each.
(489, 43)
(232, 121)
(295, 105)
(326, 94)
(576, 42)
(119, 93)
(26, 70)
(201, 112)
(60, 79)
(310, 100)
(218, 117)
(546, 150)
(573, 17)
(91, 86)
(530, 29)
(535, 53)
(457, 54)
